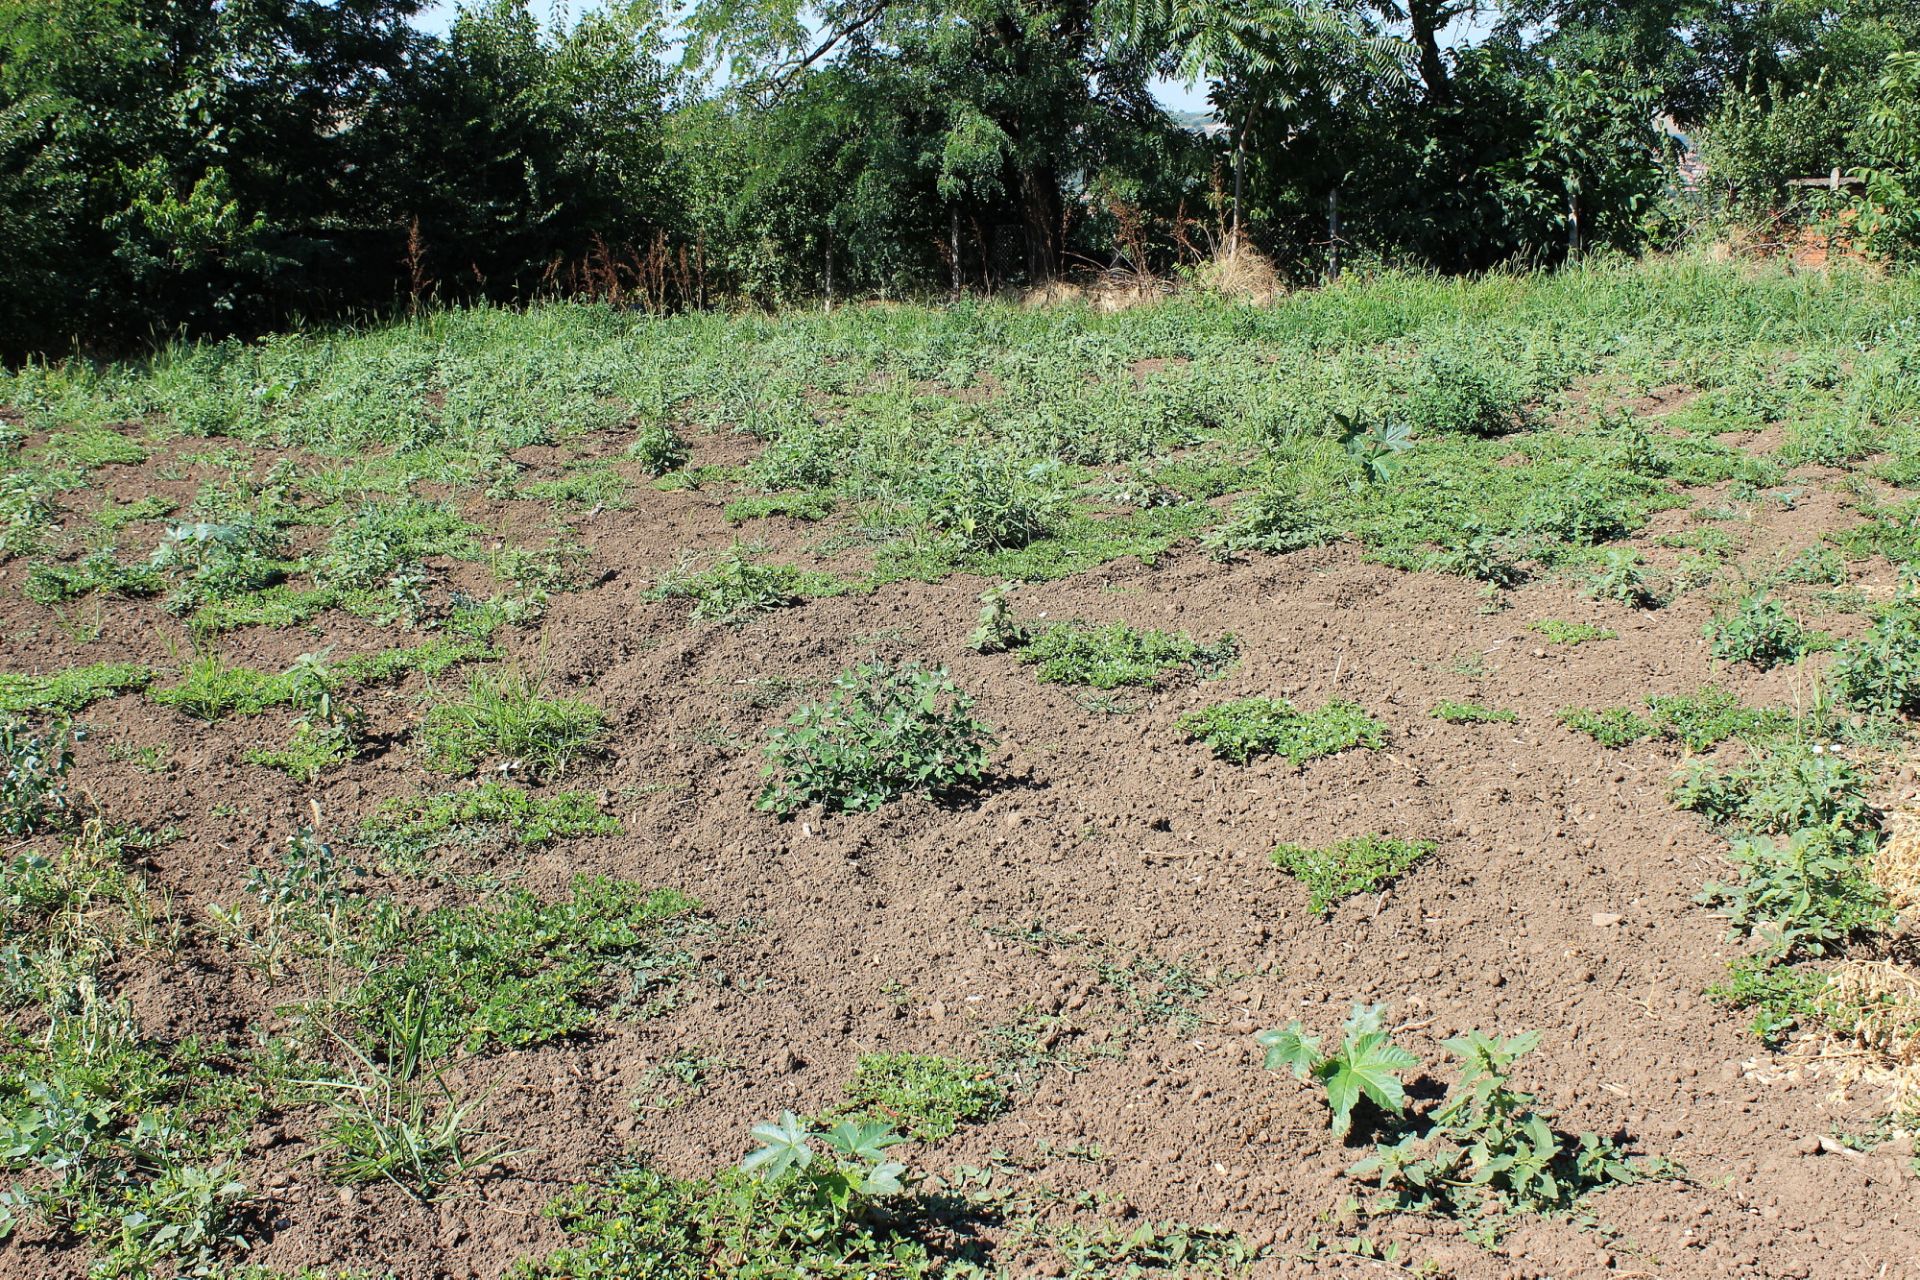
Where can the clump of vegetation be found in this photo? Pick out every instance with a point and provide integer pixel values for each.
(217, 560)
(1115, 655)
(1787, 790)
(1557, 631)
(986, 502)
(1779, 996)
(658, 448)
(1759, 632)
(1362, 864)
(521, 816)
(1489, 1152)
(123, 1147)
(1614, 727)
(1802, 895)
(1246, 728)
(737, 587)
(433, 658)
(99, 570)
(1366, 1064)
(210, 689)
(1619, 575)
(397, 1119)
(75, 689)
(805, 1202)
(505, 718)
(884, 731)
(925, 1096)
(1484, 1154)
(380, 542)
(1880, 671)
(1698, 721)
(1711, 715)
(1472, 713)
(997, 630)
(519, 971)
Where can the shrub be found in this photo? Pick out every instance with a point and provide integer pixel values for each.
(1362, 864)
(1880, 672)
(503, 716)
(1114, 655)
(1759, 632)
(33, 771)
(1799, 896)
(885, 731)
(658, 448)
(1248, 727)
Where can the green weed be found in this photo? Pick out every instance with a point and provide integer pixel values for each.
(1557, 631)
(1116, 655)
(1248, 727)
(1489, 1152)
(520, 817)
(504, 718)
(1760, 632)
(884, 731)
(925, 1096)
(520, 972)
(1472, 713)
(75, 689)
(1804, 895)
(1363, 864)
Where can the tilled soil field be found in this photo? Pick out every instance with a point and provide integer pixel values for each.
(1097, 928)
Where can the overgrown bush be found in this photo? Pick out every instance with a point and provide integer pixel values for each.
(884, 731)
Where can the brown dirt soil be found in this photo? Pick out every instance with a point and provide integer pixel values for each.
(1560, 900)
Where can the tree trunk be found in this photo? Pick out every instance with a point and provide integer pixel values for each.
(1040, 192)
(953, 241)
(1426, 18)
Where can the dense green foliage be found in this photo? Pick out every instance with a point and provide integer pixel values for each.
(227, 167)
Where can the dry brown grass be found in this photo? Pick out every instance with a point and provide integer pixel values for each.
(1241, 271)
(1874, 1036)
(1896, 866)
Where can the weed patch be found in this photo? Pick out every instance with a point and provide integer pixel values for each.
(926, 1097)
(1244, 729)
(504, 718)
(1363, 864)
(75, 689)
(520, 972)
(884, 731)
(1117, 655)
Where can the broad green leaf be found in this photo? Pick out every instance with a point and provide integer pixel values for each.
(783, 1146)
(1291, 1047)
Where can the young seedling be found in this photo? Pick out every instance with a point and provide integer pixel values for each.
(1366, 1064)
